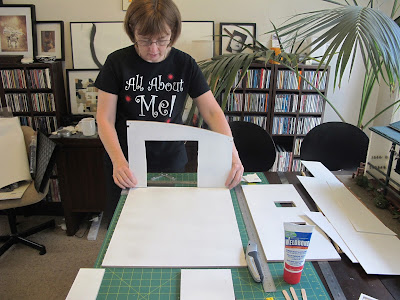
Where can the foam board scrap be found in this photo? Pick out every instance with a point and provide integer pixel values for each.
(322, 222)
(210, 284)
(269, 219)
(86, 284)
(172, 227)
(374, 252)
(318, 170)
(359, 215)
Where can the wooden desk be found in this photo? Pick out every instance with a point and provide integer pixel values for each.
(352, 278)
(80, 168)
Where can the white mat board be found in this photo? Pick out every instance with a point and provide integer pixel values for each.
(323, 223)
(359, 215)
(210, 284)
(176, 227)
(214, 150)
(86, 284)
(269, 219)
(375, 252)
(318, 170)
(13, 159)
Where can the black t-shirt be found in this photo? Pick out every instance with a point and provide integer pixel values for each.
(152, 92)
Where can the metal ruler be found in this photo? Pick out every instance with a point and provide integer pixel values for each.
(268, 282)
(331, 280)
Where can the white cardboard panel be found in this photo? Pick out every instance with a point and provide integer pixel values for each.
(318, 170)
(269, 219)
(359, 215)
(13, 159)
(322, 222)
(214, 150)
(176, 227)
(375, 252)
(210, 284)
(86, 284)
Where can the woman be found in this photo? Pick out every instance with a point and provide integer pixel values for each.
(149, 81)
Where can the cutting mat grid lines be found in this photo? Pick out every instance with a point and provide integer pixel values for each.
(164, 283)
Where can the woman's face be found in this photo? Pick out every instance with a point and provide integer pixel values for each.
(153, 49)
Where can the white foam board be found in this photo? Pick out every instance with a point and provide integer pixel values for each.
(375, 252)
(359, 215)
(86, 284)
(210, 284)
(269, 219)
(323, 223)
(214, 150)
(176, 227)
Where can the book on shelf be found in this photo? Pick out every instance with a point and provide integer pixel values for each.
(311, 103)
(317, 78)
(286, 102)
(284, 125)
(256, 102)
(305, 124)
(283, 161)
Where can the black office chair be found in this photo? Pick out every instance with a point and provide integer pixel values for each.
(337, 145)
(36, 192)
(255, 146)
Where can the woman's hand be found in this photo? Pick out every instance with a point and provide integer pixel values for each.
(236, 173)
(122, 175)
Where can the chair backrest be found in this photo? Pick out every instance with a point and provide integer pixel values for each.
(337, 145)
(255, 146)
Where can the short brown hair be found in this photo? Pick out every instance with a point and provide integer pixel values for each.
(150, 17)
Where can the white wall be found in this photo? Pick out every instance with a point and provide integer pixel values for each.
(261, 12)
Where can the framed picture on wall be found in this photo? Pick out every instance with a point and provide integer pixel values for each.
(234, 37)
(91, 42)
(125, 4)
(17, 30)
(82, 93)
(50, 38)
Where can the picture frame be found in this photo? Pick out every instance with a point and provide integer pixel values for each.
(82, 93)
(91, 42)
(125, 4)
(197, 39)
(50, 38)
(17, 30)
(232, 37)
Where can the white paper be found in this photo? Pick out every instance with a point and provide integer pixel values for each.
(86, 284)
(14, 158)
(176, 227)
(210, 284)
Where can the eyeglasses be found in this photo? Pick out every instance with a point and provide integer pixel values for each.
(148, 43)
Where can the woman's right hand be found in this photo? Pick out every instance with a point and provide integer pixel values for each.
(122, 175)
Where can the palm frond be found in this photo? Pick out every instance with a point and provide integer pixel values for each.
(343, 28)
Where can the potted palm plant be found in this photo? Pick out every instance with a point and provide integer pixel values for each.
(347, 29)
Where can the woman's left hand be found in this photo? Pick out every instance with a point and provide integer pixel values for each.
(236, 173)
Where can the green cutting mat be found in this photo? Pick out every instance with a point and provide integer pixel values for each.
(160, 284)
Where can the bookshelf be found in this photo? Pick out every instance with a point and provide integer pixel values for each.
(287, 107)
(35, 93)
(250, 100)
